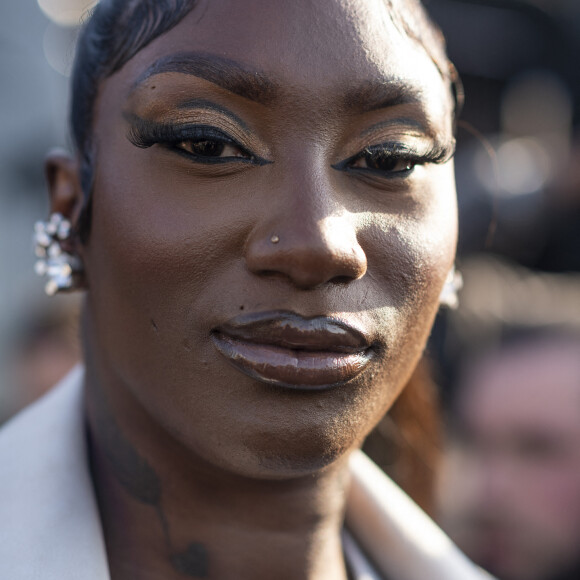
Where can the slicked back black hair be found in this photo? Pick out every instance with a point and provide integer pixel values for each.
(118, 29)
(115, 32)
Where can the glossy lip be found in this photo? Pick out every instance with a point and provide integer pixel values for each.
(285, 349)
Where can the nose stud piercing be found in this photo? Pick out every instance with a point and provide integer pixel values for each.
(274, 239)
(58, 266)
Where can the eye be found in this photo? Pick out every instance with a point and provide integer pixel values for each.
(199, 143)
(396, 160)
(211, 148)
(384, 160)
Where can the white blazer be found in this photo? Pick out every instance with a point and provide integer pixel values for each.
(50, 527)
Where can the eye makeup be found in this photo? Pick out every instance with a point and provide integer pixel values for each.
(395, 159)
(206, 132)
(199, 142)
(397, 122)
(206, 105)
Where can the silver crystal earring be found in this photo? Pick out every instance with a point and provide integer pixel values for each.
(449, 295)
(61, 268)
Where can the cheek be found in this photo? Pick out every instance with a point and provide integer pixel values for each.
(411, 257)
(420, 232)
(409, 260)
(434, 240)
(154, 248)
(157, 230)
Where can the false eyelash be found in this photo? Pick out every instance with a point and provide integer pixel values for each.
(437, 154)
(144, 134)
(397, 151)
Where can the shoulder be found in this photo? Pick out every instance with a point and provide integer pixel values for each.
(48, 518)
(38, 430)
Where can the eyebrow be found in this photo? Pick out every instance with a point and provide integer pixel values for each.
(382, 94)
(224, 72)
(256, 86)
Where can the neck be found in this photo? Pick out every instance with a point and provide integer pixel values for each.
(168, 514)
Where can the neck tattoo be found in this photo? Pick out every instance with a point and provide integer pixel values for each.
(141, 482)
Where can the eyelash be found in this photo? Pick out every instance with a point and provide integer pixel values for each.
(145, 135)
(393, 153)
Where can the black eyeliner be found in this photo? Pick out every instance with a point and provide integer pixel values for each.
(437, 154)
(144, 133)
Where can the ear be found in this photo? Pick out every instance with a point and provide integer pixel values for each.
(64, 185)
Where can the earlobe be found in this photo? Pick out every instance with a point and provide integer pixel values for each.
(449, 297)
(57, 244)
(64, 185)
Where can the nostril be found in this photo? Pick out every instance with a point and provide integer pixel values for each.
(307, 253)
(342, 279)
(307, 266)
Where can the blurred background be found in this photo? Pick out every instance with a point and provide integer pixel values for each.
(487, 436)
(506, 482)
(37, 336)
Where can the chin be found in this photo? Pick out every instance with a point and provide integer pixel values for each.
(305, 462)
(282, 456)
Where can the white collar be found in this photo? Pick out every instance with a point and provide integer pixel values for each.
(402, 541)
(47, 505)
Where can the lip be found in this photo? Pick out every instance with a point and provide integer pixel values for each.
(285, 349)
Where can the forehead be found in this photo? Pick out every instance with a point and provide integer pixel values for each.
(314, 48)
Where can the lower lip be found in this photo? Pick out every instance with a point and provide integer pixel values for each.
(297, 369)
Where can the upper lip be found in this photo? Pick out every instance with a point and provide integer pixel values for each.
(292, 331)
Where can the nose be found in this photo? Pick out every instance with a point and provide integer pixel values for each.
(308, 244)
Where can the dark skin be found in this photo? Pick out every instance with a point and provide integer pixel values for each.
(202, 471)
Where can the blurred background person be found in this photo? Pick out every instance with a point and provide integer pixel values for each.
(509, 484)
(517, 169)
(510, 488)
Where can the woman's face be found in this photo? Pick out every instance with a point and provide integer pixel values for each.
(272, 224)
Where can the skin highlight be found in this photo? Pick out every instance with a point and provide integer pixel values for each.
(232, 477)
